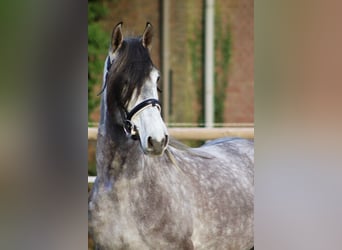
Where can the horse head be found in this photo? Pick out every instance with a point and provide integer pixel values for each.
(132, 96)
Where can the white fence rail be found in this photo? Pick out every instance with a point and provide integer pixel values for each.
(199, 133)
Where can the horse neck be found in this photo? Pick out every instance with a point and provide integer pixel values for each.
(115, 151)
(113, 146)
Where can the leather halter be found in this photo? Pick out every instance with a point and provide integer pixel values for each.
(129, 127)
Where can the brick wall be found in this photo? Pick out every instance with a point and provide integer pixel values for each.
(239, 103)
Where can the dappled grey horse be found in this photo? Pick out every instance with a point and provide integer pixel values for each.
(152, 192)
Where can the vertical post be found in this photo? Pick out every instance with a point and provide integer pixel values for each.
(209, 63)
(165, 58)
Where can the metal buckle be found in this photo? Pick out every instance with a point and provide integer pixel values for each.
(128, 127)
(131, 130)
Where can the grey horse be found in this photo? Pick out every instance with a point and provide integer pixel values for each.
(151, 191)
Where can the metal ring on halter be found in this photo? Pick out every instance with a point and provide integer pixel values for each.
(130, 128)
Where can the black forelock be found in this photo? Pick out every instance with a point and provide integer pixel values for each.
(131, 67)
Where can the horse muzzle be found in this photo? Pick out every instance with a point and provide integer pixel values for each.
(155, 146)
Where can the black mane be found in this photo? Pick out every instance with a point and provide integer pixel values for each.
(131, 67)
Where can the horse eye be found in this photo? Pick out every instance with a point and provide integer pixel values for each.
(159, 90)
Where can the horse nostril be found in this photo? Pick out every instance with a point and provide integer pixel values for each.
(157, 146)
(166, 140)
(150, 142)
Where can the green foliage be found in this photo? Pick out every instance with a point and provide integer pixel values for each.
(222, 59)
(96, 10)
(196, 56)
(97, 46)
(92, 168)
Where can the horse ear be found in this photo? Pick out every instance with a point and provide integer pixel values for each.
(147, 36)
(117, 37)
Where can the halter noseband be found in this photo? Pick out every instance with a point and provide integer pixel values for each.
(130, 128)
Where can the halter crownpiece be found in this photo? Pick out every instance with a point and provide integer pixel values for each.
(108, 65)
(129, 127)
